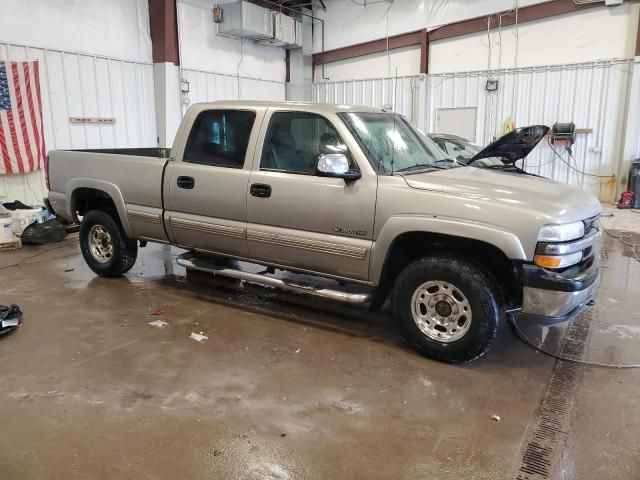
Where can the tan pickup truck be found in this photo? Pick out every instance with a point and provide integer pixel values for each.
(350, 194)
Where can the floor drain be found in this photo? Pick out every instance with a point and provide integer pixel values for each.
(548, 432)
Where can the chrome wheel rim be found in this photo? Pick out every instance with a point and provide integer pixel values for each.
(441, 311)
(100, 244)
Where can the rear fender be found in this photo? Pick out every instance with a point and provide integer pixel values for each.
(109, 188)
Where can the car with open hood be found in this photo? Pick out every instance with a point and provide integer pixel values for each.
(501, 155)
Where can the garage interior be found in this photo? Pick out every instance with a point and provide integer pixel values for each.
(166, 372)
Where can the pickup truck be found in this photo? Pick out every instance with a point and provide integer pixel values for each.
(354, 196)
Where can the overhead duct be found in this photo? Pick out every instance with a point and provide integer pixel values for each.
(245, 20)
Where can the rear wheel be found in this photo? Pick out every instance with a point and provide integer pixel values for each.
(104, 245)
(448, 307)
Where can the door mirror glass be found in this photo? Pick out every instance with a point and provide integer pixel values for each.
(335, 165)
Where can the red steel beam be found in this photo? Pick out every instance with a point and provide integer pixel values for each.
(163, 26)
(424, 51)
(474, 25)
(525, 14)
(375, 46)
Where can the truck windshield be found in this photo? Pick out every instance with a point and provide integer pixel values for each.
(392, 145)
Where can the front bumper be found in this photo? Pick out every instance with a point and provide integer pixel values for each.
(553, 297)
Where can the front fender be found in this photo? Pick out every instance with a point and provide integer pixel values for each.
(107, 187)
(393, 228)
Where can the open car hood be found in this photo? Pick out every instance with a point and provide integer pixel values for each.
(514, 145)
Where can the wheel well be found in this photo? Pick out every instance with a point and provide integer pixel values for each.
(84, 200)
(414, 245)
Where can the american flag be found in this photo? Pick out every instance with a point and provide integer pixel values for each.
(22, 147)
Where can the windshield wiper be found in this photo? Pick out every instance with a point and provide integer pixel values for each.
(420, 166)
(451, 161)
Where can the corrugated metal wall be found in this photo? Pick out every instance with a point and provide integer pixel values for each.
(593, 95)
(209, 86)
(82, 85)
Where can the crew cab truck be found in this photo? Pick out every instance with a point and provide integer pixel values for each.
(352, 194)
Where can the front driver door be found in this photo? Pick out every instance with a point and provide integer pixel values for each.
(298, 219)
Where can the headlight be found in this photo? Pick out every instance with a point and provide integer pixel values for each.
(561, 233)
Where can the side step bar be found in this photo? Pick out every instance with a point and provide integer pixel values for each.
(190, 261)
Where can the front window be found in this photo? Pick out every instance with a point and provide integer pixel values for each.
(295, 141)
(394, 146)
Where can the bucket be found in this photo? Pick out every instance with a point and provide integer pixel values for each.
(6, 228)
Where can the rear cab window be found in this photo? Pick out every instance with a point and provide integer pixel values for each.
(220, 138)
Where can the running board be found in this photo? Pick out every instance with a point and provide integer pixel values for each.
(203, 264)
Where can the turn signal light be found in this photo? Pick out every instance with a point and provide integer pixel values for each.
(557, 261)
(547, 261)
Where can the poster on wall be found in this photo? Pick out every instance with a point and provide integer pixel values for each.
(22, 148)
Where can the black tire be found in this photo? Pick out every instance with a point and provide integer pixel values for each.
(481, 297)
(124, 251)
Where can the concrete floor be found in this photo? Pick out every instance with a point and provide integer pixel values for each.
(285, 388)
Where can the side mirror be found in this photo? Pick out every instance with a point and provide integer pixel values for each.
(335, 165)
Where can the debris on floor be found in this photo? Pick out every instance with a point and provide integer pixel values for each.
(49, 231)
(158, 323)
(157, 311)
(10, 318)
(495, 417)
(198, 337)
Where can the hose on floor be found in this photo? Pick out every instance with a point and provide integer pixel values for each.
(520, 334)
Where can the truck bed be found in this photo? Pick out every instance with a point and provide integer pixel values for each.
(132, 177)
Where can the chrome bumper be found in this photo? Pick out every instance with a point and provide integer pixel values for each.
(552, 306)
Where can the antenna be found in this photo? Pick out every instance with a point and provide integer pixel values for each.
(395, 89)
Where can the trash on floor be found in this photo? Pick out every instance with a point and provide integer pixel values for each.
(157, 311)
(159, 323)
(8, 240)
(198, 337)
(496, 417)
(10, 318)
(50, 231)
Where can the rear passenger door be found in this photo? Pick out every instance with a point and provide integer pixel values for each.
(207, 188)
(298, 219)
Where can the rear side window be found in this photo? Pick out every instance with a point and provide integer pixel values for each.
(220, 138)
(295, 140)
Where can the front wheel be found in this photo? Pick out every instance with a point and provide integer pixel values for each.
(448, 308)
(104, 245)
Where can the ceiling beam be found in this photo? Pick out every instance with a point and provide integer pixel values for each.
(366, 48)
(525, 14)
(465, 27)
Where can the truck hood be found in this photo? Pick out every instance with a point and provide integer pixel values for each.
(514, 145)
(552, 201)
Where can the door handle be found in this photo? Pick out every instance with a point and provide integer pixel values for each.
(260, 190)
(186, 182)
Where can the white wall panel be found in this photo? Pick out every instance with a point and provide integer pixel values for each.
(113, 28)
(376, 92)
(80, 85)
(209, 87)
(201, 48)
(593, 95)
(562, 39)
